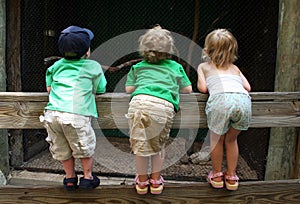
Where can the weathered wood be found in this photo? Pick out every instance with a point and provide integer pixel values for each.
(296, 169)
(283, 141)
(4, 162)
(249, 192)
(13, 71)
(22, 110)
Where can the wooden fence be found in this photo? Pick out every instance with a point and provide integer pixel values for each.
(21, 110)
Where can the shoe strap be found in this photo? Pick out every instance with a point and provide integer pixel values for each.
(73, 180)
(218, 174)
(157, 182)
(141, 183)
(232, 178)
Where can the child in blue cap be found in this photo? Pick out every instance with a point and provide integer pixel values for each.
(72, 83)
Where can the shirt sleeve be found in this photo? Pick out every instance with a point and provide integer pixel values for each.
(183, 80)
(101, 83)
(130, 78)
(49, 78)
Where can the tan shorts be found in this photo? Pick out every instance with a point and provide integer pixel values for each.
(69, 135)
(150, 120)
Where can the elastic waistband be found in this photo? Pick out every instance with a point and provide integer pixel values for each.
(144, 97)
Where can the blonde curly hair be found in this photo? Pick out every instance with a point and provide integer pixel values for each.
(220, 47)
(156, 44)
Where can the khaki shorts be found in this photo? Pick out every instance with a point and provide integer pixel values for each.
(150, 120)
(69, 135)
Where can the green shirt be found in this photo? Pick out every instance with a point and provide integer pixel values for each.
(74, 84)
(162, 80)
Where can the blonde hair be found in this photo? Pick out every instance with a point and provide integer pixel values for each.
(156, 44)
(220, 47)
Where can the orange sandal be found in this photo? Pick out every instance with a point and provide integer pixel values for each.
(215, 184)
(159, 189)
(230, 186)
(141, 186)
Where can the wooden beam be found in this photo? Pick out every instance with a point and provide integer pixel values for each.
(4, 162)
(249, 192)
(283, 141)
(19, 110)
(296, 166)
(13, 71)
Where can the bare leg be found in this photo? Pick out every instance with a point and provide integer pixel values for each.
(217, 152)
(69, 167)
(232, 150)
(87, 165)
(142, 164)
(157, 163)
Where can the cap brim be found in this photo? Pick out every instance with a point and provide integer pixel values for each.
(74, 29)
(89, 32)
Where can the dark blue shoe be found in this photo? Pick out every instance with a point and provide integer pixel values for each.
(70, 180)
(88, 183)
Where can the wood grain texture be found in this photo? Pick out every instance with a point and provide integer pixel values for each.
(20, 110)
(248, 192)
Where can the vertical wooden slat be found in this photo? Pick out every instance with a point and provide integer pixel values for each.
(13, 70)
(283, 141)
(4, 162)
(296, 169)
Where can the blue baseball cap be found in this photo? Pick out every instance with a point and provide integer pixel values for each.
(74, 42)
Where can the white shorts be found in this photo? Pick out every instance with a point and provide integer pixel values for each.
(69, 135)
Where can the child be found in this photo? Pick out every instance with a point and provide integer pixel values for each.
(154, 85)
(228, 108)
(72, 83)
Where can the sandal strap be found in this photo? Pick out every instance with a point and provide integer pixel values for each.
(218, 174)
(232, 178)
(141, 183)
(73, 180)
(211, 175)
(157, 182)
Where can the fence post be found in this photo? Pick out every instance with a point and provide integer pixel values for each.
(4, 161)
(14, 73)
(283, 141)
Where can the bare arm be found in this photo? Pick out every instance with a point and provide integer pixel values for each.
(186, 90)
(201, 83)
(245, 82)
(48, 89)
(129, 89)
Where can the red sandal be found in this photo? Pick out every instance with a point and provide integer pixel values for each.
(215, 184)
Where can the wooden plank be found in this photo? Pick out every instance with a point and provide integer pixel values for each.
(296, 166)
(107, 97)
(269, 96)
(22, 110)
(249, 192)
(4, 155)
(13, 71)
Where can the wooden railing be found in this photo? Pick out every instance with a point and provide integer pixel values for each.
(21, 110)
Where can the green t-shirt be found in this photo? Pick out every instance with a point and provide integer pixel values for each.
(162, 80)
(74, 84)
